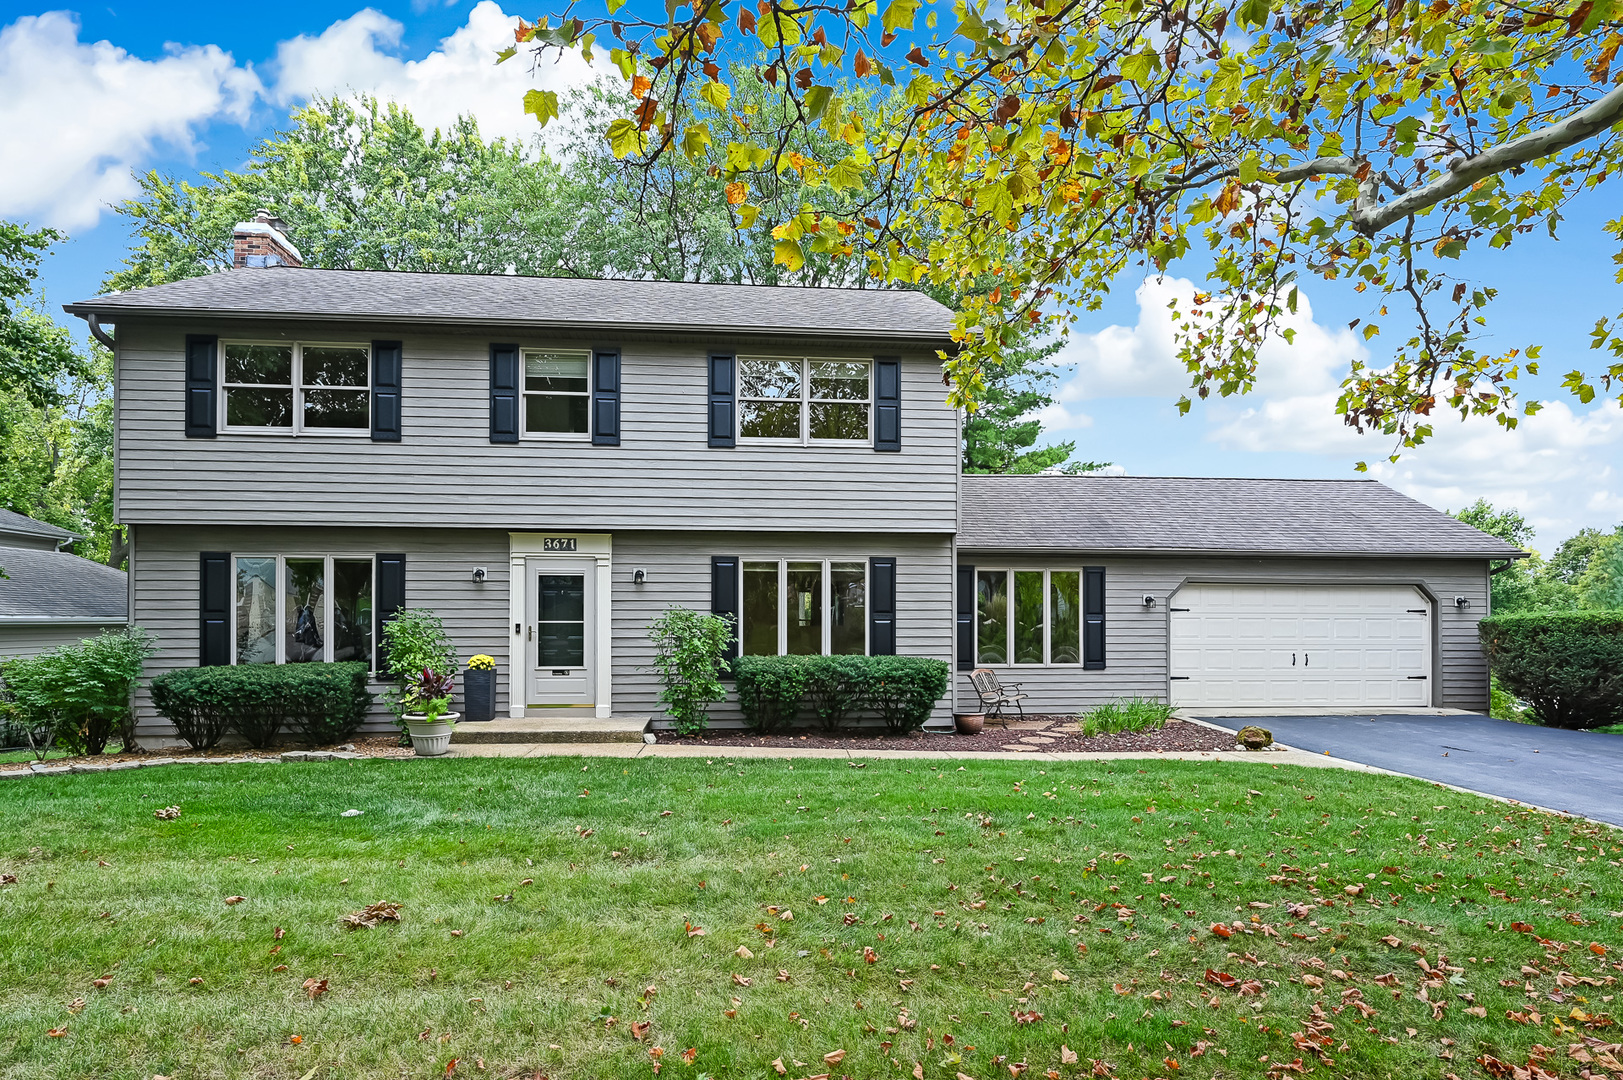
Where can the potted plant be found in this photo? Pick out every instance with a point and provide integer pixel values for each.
(479, 688)
(423, 661)
(427, 712)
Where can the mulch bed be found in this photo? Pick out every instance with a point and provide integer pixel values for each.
(386, 746)
(1176, 736)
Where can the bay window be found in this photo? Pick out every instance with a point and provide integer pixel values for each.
(296, 388)
(804, 607)
(292, 609)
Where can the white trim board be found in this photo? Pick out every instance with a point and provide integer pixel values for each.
(597, 546)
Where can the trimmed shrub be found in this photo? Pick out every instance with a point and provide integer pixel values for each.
(81, 692)
(904, 689)
(834, 688)
(769, 690)
(1567, 666)
(325, 703)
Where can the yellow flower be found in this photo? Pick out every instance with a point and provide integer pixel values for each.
(482, 663)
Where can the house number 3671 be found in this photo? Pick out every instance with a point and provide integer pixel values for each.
(558, 543)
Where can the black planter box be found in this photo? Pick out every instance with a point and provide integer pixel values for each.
(478, 695)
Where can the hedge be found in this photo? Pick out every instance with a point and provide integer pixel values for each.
(1567, 666)
(902, 690)
(79, 695)
(324, 703)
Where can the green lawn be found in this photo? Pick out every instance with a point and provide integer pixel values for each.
(542, 897)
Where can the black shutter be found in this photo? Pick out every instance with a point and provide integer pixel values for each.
(504, 383)
(606, 397)
(887, 404)
(202, 378)
(966, 618)
(723, 400)
(390, 598)
(724, 599)
(882, 607)
(1093, 616)
(386, 365)
(214, 608)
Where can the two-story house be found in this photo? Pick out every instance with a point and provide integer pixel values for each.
(550, 463)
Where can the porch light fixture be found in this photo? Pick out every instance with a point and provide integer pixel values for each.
(639, 576)
(1149, 601)
(478, 574)
(1462, 602)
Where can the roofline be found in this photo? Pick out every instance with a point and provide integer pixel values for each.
(46, 620)
(54, 533)
(111, 314)
(1082, 550)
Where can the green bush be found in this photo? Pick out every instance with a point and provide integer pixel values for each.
(1566, 666)
(1125, 716)
(421, 658)
(690, 648)
(834, 688)
(904, 689)
(769, 690)
(325, 703)
(81, 692)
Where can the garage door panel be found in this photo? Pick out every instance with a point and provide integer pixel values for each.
(1314, 646)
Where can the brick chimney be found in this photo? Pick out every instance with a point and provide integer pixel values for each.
(262, 242)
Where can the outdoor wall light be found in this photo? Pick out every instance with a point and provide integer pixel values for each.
(1461, 601)
(1149, 601)
(639, 576)
(478, 574)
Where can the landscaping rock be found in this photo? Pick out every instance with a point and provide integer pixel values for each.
(343, 755)
(120, 766)
(51, 770)
(649, 737)
(13, 774)
(318, 755)
(89, 767)
(150, 762)
(295, 755)
(1254, 738)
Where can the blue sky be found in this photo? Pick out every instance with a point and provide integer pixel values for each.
(90, 94)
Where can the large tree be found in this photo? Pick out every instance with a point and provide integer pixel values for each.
(1048, 145)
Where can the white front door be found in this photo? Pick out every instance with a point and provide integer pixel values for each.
(560, 635)
(1315, 646)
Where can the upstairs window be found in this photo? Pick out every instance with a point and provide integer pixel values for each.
(297, 388)
(804, 400)
(557, 393)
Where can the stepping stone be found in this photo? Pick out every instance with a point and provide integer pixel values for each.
(1038, 739)
(88, 767)
(1020, 746)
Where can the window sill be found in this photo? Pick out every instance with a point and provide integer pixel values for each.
(556, 436)
(308, 433)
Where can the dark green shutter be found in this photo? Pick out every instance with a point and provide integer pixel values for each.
(724, 599)
(386, 373)
(606, 397)
(966, 618)
(887, 404)
(723, 400)
(504, 393)
(882, 607)
(1093, 617)
(214, 608)
(390, 599)
(202, 381)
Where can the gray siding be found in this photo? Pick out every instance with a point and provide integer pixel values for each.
(1136, 637)
(439, 565)
(662, 476)
(30, 640)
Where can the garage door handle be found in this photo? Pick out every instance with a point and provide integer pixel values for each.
(1419, 611)
(1417, 676)
(1179, 609)
(1177, 677)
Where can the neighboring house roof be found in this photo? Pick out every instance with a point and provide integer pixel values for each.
(53, 586)
(15, 524)
(504, 300)
(1170, 514)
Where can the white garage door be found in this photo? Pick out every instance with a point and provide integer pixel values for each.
(1315, 646)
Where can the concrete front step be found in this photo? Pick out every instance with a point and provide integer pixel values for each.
(553, 729)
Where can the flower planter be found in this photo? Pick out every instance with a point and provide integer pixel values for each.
(479, 695)
(970, 723)
(430, 738)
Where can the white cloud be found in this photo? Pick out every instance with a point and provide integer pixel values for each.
(357, 55)
(75, 118)
(1559, 467)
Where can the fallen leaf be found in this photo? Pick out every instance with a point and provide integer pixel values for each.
(1059, 976)
(640, 1029)
(315, 987)
(370, 916)
(693, 931)
(1067, 1056)
(777, 1067)
(744, 953)
(57, 1033)
(233, 900)
(834, 1057)
(1222, 931)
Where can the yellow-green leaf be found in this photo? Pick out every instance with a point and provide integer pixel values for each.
(789, 254)
(715, 94)
(695, 139)
(542, 104)
(624, 138)
(899, 15)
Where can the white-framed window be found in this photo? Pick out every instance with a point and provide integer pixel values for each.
(1028, 617)
(805, 400)
(804, 607)
(301, 388)
(557, 393)
(292, 609)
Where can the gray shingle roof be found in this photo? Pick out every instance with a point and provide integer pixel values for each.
(13, 522)
(1187, 514)
(288, 292)
(57, 585)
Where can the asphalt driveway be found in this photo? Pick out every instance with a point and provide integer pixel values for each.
(1580, 772)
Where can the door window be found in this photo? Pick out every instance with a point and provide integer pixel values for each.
(560, 632)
